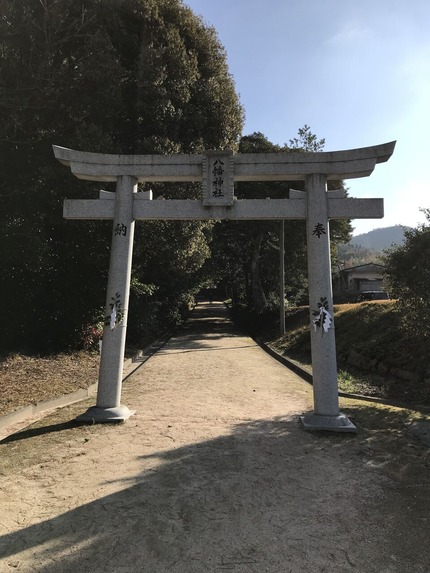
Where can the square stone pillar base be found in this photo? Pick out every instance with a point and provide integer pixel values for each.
(317, 422)
(97, 415)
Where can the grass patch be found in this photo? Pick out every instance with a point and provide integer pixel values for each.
(28, 380)
(376, 355)
(352, 381)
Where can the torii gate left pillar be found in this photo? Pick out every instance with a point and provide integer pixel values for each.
(217, 170)
(109, 407)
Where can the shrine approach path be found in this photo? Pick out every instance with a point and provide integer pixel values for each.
(213, 473)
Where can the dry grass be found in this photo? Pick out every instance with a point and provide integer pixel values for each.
(27, 380)
(374, 331)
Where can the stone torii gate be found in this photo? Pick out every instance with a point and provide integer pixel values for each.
(217, 170)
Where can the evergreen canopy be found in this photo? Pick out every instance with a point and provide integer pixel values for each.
(112, 76)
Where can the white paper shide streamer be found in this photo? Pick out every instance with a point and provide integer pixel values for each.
(323, 319)
(113, 317)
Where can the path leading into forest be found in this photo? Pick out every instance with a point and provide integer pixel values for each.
(213, 473)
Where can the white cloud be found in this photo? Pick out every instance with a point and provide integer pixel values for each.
(351, 34)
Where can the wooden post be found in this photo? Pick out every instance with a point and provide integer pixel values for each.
(281, 278)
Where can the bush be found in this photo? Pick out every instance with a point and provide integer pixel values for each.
(408, 275)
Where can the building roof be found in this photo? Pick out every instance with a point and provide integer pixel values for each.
(372, 267)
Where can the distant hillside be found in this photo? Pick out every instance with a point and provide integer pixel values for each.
(380, 239)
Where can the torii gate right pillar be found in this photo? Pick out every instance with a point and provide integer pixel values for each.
(326, 415)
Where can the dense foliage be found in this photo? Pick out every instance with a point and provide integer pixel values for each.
(122, 76)
(113, 76)
(246, 255)
(408, 275)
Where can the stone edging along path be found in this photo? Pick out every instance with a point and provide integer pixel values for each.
(305, 372)
(15, 421)
(419, 428)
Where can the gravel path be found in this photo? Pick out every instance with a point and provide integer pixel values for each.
(213, 473)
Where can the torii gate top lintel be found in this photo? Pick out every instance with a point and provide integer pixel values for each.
(278, 166)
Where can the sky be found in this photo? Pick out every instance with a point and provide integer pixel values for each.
(356, 71)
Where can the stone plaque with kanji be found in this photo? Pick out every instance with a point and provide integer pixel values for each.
(218, 178)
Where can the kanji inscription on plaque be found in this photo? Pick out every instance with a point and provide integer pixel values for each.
(218, 186)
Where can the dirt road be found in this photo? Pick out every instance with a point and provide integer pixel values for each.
(213, 473)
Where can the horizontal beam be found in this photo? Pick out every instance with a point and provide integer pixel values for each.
(297, 171)
(351, 208)
(183, 210)
(179, 172)
(88, 209)
(255, 209)
(280, 166)
(257, 171)
(66, 156)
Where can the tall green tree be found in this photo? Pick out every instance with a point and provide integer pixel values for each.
(112, 76)
(407, 271)
(306, 141)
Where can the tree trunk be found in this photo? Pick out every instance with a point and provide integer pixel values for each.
(258, 297)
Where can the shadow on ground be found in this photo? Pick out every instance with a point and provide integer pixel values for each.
(265, 498)
(269, 497)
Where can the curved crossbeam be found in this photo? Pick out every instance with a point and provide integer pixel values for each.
(280, 166)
